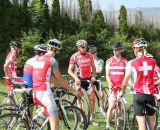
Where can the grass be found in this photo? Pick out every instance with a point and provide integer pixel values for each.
(97, 116)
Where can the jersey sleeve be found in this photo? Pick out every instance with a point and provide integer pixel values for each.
(108, 62)
(72, 60)
(101, 63)
(54, 64)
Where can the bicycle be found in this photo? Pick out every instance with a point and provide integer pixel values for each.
(21, 113)
(119, 110)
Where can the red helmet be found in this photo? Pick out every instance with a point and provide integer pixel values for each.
(138, 43)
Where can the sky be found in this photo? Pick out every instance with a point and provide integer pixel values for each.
(106, 4)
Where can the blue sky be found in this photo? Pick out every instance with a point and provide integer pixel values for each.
(105, 4)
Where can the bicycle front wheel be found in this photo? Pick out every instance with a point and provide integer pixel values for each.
(13, 121)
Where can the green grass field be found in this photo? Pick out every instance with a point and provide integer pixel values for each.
(97, 116)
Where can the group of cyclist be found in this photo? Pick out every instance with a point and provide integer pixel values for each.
(42, 70)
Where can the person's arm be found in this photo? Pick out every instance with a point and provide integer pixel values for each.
(72, 74)
(60, 82)
(110, 85)
(125, 82)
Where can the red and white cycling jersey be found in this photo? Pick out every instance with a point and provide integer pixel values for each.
(83, 64)
(42, 72)
(12, 68)
(116, 68)
(142, 69)
(156, 74)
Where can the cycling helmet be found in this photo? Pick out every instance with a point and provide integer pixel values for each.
(92, 49)
(138, 43)
(55, 44)
(15, 43)
(117, 45)
(40, 48)
(81, 43)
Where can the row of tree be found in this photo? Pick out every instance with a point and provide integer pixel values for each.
(37, 23)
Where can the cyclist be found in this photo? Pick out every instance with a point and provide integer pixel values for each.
(10, 66)
(45, 68)
(80, 67)
(99, 64)
(28, 70)
(115, 68)
(143, 69)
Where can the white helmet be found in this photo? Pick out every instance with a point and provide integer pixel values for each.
(55, 44)
(139, 43)
(81, 43)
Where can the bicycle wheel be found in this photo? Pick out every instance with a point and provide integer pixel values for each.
(131, 118)
(8, 108)
(5, 98)
(13, 121)
(84, 107)
(120, 116)
(71, 117)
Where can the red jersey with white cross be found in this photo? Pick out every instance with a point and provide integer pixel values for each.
(12, 68)
(116, 68)
(143, 70)
(83, 64)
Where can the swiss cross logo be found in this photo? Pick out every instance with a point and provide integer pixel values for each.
(145, 68)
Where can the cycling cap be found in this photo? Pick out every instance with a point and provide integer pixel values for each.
(92, 49)
(141, 42)
(15, 43)
(40, 48)
(117, 45)
(55, 44)
(81, 43)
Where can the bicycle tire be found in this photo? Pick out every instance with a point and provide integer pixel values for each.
(72, 114)
(5, 98)
(13, 121)
(120, 123)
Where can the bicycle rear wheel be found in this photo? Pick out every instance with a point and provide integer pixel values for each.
(13, 121)
(71, 117)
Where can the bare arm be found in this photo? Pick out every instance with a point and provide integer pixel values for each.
(108, 78)
(6, 65)
(125, 82)
(93, 70)
(61, 82)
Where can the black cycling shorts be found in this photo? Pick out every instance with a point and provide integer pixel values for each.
(140, 107)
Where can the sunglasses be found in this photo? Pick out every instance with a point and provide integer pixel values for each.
(117, 49)
(83, 47)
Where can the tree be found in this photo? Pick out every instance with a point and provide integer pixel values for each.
(123, 20)
(98, 21)
(55, 17)
(39, 17)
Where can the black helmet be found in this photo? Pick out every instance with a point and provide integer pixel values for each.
(92, 49)
(15, 43)
(40, 48)
(117, 45)
(55, 44)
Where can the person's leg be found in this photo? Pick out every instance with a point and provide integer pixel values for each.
(109, 111)
(151, 121)
(141, 122)
(91, 103)
(54, 122)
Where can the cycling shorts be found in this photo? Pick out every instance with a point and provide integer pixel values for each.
(112, 94)
(98, 85)
(87, 86)
(139, 101)
(47, 101)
